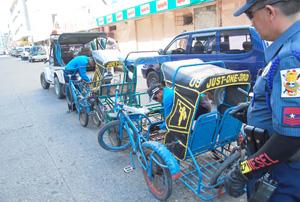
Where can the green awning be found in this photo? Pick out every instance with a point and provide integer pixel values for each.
(149, 8)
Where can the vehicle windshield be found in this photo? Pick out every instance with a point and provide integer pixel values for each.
(40, 49)
(27, 49)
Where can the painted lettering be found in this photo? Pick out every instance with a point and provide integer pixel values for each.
(258, 160)
(272, 161)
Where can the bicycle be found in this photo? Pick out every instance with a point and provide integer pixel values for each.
(83, 99)
(158, 163)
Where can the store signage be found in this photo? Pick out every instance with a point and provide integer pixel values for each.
(182, 2)
(131, 13)
(151, 7)
(145, 9)
(101, 21)
(162, 5)
(109, 19)
(119, 16)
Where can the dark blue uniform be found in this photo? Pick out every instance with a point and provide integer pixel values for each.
(276, 106)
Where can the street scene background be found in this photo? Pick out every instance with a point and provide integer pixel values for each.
(46, 155)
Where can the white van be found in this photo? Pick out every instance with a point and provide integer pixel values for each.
(25, 53)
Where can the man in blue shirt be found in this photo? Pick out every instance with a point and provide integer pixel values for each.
(165, 96)
(80, 63)
(275, 106)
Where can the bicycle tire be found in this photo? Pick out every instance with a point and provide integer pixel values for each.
(70, 98)
(97, 116)
(161, 184)
(84, 116)
(109, 137)
(224, 168)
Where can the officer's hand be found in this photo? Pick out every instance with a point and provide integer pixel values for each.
(240, 112)
(154, 128)
(235, 182)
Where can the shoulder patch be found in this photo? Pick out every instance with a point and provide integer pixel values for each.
(291, 116)
(290, 83)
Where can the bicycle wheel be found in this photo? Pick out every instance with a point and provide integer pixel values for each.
(109, 137)
(84, 116)
(224, 169)
(98, 115)
(70, 98)
(160, 184)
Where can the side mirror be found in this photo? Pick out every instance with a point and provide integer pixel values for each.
(160, 51)
(46, 61)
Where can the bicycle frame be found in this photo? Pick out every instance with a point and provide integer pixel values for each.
(127, 121)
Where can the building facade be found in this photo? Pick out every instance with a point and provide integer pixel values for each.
(152, 25)
(136, 25)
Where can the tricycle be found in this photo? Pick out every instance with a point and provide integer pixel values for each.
(185, 151)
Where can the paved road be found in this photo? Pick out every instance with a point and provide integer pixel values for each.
(46, 155)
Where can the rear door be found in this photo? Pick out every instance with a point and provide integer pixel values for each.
(203, 46)
(235, 49)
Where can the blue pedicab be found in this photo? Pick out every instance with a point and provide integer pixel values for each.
(83, 96)
(125, 91)
(186, 151)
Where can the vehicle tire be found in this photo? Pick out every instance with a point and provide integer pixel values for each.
(84, 116)
(224, 168)
(161, 184)
(44, 83)
(98, 117)
(219, 96)
(58, 88)
(109, 137)
(152, 78)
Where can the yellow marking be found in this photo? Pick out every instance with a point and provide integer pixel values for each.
(113, 64)
(245, 168)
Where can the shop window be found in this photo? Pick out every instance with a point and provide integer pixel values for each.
(112, 28)
(183, 20)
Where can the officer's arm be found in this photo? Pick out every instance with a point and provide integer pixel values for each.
(277, 149)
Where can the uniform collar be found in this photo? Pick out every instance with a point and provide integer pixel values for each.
(273, 49)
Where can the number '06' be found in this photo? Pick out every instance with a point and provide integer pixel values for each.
(195, 83)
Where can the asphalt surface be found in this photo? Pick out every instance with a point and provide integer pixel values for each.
(46, 155)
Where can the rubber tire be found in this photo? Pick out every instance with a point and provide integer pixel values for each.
(58, 88)
(219, 96)
(119, 146)
(44, 83)
(99, 111)
(84, 116)
(156, 171)
(152, 78)
(225, 166)
(70, 98)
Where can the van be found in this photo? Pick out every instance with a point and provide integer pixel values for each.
(240, 48)
(25, 53)
(37, 53)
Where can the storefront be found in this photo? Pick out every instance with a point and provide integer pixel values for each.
(152, 25)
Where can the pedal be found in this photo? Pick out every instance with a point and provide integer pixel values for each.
(128, 169)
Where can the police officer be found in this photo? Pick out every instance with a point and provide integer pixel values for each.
(275, 106)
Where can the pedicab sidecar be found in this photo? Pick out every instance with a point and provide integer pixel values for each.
(192, 141)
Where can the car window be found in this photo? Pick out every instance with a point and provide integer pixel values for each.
(235, 41)
(178, 46)
(203, 43)
(38, 49)
(27, 49)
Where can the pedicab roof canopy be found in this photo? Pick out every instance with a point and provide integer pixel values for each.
(200, 76)
(107, 58)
